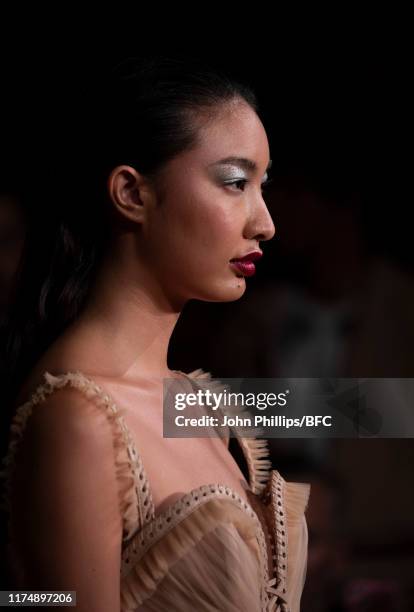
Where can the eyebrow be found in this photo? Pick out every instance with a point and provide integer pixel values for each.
(245, 163)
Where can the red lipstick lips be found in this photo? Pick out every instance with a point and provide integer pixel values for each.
(245, 264)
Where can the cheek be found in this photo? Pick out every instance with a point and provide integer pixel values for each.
(212, 240)
(207, 222)
(197, 231)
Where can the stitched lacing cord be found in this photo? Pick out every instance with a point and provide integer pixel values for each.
(163, 523)
(147, 510)
(259, 470)
(256, 452)
(82, 383)
(274, 589)
(276, 586)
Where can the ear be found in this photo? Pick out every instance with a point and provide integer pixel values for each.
(130, 193)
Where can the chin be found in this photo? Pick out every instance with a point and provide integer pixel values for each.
(229, 292)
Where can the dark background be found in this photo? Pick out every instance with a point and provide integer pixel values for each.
(336, 114)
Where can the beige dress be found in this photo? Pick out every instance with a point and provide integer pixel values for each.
(209, 551)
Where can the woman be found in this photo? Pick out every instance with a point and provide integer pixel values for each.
(127, 518)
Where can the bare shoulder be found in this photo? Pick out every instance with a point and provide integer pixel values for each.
(66, 475)
(73, 350)
(65, 435)
(57, 360)
(67, 413)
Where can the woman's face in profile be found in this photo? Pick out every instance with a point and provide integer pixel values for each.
(210, 212)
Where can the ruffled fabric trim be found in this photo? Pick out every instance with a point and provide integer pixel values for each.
(255, 451)
(284, 506)
(284, 503)
(154, 550)
(136, 502)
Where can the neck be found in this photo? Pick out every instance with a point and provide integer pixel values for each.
(128, 321)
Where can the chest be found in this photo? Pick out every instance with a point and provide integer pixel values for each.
(174, 466)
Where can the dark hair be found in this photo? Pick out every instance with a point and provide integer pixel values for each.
(141, 112)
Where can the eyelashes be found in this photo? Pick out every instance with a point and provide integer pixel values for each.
(264, 185)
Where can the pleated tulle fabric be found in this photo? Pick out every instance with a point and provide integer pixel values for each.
(209, 560)
(210, 550)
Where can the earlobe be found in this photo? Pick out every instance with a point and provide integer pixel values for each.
(127, 191)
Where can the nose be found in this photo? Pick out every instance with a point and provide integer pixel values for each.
(260, 224)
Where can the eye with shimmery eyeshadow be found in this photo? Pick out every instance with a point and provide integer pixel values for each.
(264, 185)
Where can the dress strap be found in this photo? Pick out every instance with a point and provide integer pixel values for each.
(256, 451)
(136, 502)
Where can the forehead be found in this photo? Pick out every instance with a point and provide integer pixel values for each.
(234, 131)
